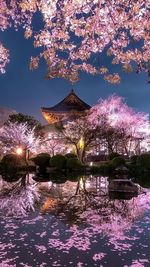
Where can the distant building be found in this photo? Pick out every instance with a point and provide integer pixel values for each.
(70, 108)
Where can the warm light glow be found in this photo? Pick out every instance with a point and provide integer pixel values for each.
(50, 203)
(81, 183)
(81, 143)
(19, 151)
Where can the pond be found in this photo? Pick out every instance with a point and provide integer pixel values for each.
(76, 223)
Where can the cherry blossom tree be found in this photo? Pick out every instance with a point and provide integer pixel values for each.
(74, 32)
(30, 121)
(125, 128)
(80, 134)
(52, 143)
(14, 135)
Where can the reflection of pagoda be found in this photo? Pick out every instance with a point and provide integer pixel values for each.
(69, 108)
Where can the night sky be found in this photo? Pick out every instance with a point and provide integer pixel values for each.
(26, 91)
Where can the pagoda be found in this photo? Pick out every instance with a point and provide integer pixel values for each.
(69, 108)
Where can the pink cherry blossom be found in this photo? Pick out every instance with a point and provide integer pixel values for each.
(121, 28)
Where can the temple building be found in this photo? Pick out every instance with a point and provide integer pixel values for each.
(69, 108)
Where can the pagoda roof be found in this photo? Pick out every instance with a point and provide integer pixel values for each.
(69, 103)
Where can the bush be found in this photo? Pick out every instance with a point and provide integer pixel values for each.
(42, 159)
(58, 161)
(117, 162)
(12, 163)
(106, 167)
(73, 164)
(134, 169)
(113, 155)
(95, 169)
(143, 161)
(70, 156)
(133, 159)
(103, 168)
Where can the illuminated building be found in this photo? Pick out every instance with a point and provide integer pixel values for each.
(69, 108)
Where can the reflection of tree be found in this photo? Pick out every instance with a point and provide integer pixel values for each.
(112, 217)
(84, 195)
(84, 201)
(16, 199)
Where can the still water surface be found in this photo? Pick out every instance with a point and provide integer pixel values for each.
(77, 224)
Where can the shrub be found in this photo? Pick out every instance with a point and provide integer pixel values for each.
(70, 155)
(58, 161)
(113, 155)
(73, 163)
(58, 178)
(106, 167)
(12, 163)
(95, 169)
(42, 159)
(143, 161)
(117, 162)
(133, 159)
(103, 168)
(72, 176)
(134, 170)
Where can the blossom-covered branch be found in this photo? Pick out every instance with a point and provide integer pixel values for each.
(15, 135)
(4, 58)
(125, 129)
(76, 31)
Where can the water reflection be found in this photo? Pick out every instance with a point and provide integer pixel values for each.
(18, 198)
(78, 194)
(75, 215)
(87, 202)
(90, 198)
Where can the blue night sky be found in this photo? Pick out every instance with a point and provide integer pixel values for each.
(26, 91)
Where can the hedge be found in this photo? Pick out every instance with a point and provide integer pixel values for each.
(58, 161)
(143, 161)
(42, 159)
(113, 155)
(117, 162)
(70, 155)
(10, 165)
(73, 164)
